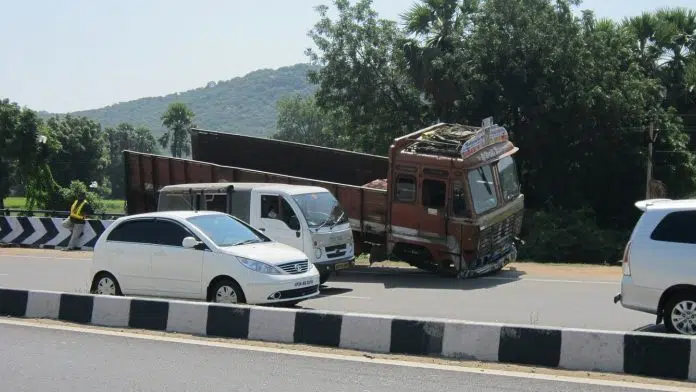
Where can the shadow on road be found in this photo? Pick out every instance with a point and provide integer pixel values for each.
(654, 328)
(392, 278)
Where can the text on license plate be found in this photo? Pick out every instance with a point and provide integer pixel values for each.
(341, 266)
(303, 283)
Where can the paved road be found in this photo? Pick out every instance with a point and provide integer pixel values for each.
(506, 297)
(36, 359)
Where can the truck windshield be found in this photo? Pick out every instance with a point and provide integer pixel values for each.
(509, 182)
(482, 189)
(320, 209)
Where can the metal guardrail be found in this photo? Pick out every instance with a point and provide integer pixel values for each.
(54, 214)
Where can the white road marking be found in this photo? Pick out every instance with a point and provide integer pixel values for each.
(341, 357)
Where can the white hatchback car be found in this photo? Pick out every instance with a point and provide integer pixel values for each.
(202, 255)
(659, 264)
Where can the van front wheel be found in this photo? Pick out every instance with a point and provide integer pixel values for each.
(324, 277)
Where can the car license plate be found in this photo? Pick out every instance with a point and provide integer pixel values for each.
(341, 266)
(303, 283)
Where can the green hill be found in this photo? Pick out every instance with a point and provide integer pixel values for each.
(245, 105)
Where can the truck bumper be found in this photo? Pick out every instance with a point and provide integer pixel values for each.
(499, 263)
(334, 265)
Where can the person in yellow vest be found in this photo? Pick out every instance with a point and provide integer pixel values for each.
(79, 211)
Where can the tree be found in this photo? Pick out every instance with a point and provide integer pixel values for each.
(301, 121)
(362, 79)
(178, 121)
(81, 153)
(125, 137)
(24, 148)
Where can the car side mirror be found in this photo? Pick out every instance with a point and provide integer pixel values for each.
(191, 243)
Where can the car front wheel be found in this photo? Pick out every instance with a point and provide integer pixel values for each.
(227, 291)
(680, 314)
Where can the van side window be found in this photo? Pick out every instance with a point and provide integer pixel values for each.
(406, 188)
(433, 194)
(270, 207)
(458, 199)
(679, 227)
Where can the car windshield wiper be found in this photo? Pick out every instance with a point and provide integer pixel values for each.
(250, 241)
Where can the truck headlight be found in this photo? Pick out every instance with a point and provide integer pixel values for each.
(258, 266)
(317, 253)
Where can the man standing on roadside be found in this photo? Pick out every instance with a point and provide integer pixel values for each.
(79, 211)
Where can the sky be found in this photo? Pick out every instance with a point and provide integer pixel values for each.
(63, 56)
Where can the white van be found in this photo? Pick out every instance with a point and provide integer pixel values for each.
(307, 218)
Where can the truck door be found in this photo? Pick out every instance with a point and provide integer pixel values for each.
(434, 206)
(278, 220)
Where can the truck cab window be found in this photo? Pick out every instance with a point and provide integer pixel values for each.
(459, 207)
(433, 194)
(406, 189)
(270, 207)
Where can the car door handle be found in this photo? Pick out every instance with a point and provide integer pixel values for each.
(262, 229)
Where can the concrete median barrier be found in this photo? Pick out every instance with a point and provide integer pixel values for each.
(46, 233)
(636, 353)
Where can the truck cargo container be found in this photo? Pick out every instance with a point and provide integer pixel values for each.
(446, 198)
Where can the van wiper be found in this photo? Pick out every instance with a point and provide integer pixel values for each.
(337, 220)
(251, 241)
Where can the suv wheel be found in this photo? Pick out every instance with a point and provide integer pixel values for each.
(680, 314)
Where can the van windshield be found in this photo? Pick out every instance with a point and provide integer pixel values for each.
(320, 209)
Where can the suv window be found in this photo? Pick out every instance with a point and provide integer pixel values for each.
(169, 233)
(136, 231)
(677, 227)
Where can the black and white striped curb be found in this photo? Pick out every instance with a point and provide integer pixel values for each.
(654, 355)
(48, 233)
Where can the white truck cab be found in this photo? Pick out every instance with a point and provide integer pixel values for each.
(307, 218)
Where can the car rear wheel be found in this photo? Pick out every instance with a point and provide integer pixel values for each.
(680, 314)
(227, 291)
(105, 284)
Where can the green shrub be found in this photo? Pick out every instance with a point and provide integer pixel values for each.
(557, 235)
(67, 195)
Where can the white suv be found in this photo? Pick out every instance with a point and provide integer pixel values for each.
(659, 264)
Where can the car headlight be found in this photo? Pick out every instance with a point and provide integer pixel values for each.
(258, 266)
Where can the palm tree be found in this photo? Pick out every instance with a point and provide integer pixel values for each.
(178, 121)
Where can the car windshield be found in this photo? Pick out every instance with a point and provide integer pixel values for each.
(224, 230)
(482, 189)
(320, 209)
(509, 182)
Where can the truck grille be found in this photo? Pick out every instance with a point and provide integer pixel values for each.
(497, 237)
(296, 267)
(335, 251)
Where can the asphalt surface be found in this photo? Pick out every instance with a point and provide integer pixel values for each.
(38, 359)
(507, 297)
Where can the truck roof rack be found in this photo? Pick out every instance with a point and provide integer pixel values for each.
(444, 140)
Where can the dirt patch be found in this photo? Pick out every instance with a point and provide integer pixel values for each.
(393, 357)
